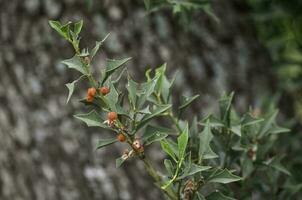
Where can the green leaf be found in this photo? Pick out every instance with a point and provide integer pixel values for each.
(277, 129)
(186, 101)
(157, 136)
(147, 4)
(78, 27)
(218, 196)
(207, 8)
(75, 63)
(112, 99)
(275, 162)
(158, 111)
(223, 176)
(169, 166)
(145, 110)
(205, 151)
(132, 92)
(182, 142)
(70, 87)
(119, 162)
(168, 149)
(193, 170)
(66, 30)
(91, 119)
(151, 130)
(225, 107)
(247, 166)
(159, 73)
(98, 44)
(236, 130)
(267, 124)
(213, 121)
(249, 120)
(57, 27)
(112, 66)
(146, 90)
(105, 142)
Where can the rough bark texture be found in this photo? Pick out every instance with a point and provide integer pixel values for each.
(46, 154)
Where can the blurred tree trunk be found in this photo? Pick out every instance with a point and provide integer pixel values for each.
(45, 154)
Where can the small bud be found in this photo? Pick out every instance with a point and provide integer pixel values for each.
(251, 153)
(112, 116)
(104, 90)
(121, 138)
(91, 92)
(137, 146)
(189, 190)
(87, 60)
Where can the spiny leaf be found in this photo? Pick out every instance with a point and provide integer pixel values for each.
(223, 176)
(91, 119)
(75, 63)
(159, 110)
(187, 101)
(267, 124)
(205, 151)
(98, 44)
(70, 87)
(112, 65)
(182, 142)
(193, 170)
(225, 107)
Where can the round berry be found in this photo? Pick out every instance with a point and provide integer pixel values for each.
(112, 116)
(104, 90)
(91, 92)
(121, 138)
(89, 98)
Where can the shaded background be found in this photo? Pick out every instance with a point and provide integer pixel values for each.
(45, 154)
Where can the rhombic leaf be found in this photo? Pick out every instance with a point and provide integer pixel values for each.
(91, 119)
(75, 63)
(268, 123)
(187, 101)
(112, 65)
(223, 176)
(205, 151)
(225, 107)
(158, 111)
(70, 87)
(193, 170)
(98, 44)
(182, 142)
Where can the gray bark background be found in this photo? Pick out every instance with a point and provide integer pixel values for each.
(46, 154)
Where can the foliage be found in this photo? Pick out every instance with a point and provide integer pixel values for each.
(182, 8)
(278, 24)
(221, 156)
